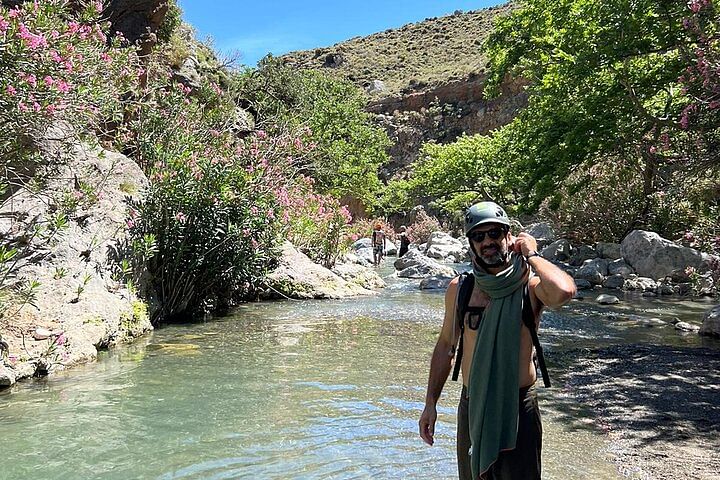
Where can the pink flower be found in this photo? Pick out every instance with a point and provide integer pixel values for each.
(180, 217)
(62, 86)
(261, 134)
(106, 58)
(4, 24)
(48, 80)
(11, 90)
(56, 56)
(14, 13)
(60, 340)
(130, 223)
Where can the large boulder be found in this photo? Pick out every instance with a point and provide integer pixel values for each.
(436, 283)
(655, 257)
(416, 265)
(582, 253)
(359, 275)
(443, 246)
(298, 277)
(643, 284)
(557, 251)
(611, 251)
(543, 232)
(79, 298)
(711, 323)
(619, 267)
(594, 271)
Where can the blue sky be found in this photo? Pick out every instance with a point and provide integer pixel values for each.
(255, 28)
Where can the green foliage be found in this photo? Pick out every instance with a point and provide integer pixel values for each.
(604, 82)
(458, 174)
(172, 20)
(347, 148)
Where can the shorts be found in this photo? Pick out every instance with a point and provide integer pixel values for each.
(521, 463)
(378, 250)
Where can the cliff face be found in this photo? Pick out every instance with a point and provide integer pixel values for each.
(442, 114)
(425, 81)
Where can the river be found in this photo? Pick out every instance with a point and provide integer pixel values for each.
(305, 390)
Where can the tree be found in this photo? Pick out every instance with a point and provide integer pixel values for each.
(604, 81)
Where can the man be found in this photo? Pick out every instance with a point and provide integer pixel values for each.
(499, 431)
(404, 241)
(378, 244)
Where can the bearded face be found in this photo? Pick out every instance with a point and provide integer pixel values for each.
(490, 244)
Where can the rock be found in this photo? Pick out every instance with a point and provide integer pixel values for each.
(416, 265)
(442, 245)
(298, 277)
(436, 282)
(138, 20)
(7, 376)
(362, 243)
(376, 86)
(543, 232)
(333, 60)
(687, 327)
(593, 271)
(188, 74)
(605, 299)
(610, 251)
(614, 281)
(582, 284)
(41, 333)
(643, 284)
(652, 322)
(581, 254)
(655, 257)
(366, 255)
(359, 275)
(557, 251)
(619, 267)
(243, 122)
(390, 248)
(711, 323)
(649, 294)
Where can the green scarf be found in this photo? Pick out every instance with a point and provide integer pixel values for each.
(493, 384)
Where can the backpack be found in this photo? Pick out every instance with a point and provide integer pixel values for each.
(465, 289)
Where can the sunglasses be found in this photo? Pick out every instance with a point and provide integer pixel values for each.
(493, 233)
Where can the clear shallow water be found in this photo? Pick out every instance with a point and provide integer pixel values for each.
(312, 390)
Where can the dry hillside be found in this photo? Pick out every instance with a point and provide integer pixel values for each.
(412, 57)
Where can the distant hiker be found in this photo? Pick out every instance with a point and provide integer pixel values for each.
(378, 244)
(498, 414)
(404, 241)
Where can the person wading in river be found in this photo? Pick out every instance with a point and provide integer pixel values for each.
(499, 433)
(378, 244)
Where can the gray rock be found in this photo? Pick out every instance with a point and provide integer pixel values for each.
(582, 284)
(7, 376)
(441, 245)
(557, 251)
(619, 267)
(188, 74)
(543, 232)
(416, 265)
(687, 327)
(643, 284)
(614, 281)
(610, 251)
(605, 299)
(298, 277)
(362, 243)
(435, 283)
(359, 275)
(390, 248)
(711, 323)
(593, 271)
(376, 86)
(581, 254)
(655, 257)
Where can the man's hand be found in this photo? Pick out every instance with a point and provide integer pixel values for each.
(427, 424)
(524, 244)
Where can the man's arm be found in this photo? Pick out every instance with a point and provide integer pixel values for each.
(555, 287)
(440, 365)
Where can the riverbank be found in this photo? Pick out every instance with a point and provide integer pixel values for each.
(658, 405)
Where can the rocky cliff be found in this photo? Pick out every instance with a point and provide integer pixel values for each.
(425, 81)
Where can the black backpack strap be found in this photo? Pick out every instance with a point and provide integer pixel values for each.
(465, 288)
(529, 320)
